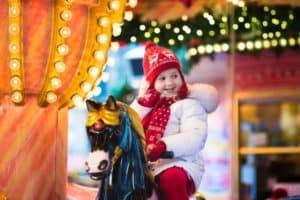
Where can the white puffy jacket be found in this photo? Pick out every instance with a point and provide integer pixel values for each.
(186, 130)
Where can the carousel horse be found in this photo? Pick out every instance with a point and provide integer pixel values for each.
(117, 155)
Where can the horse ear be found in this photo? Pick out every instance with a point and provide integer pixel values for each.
(111, 103)
(92, 106)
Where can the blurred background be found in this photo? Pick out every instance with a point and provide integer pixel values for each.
(249, 50)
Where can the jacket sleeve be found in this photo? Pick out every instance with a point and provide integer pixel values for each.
(141, 110)
(193, 130)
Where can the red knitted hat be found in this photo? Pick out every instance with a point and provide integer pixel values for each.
(158, 59)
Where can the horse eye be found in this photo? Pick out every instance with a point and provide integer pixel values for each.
(103, 164)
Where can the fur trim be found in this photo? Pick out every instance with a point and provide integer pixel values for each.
(206, 94)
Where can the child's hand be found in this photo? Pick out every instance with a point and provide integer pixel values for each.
(154, 151)
(150, 98)
(143, 88)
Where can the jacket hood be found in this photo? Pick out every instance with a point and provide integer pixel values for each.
(206, 94)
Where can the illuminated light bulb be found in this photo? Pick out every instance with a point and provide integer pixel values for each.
(249, 45)
(93, 71)
(13, 48)
(223, 31)
(142, 27)
(186, 29)
(275, 21)
(225, 47)
(283, 25)
(114, 5)
(271, 35)
(241, 4)
(132, 39)
(99, 55)
(224, 19)
(171, 42)
(128, 15)
(184, 17)
(132, 3)
(209, 48)
(96, 91)
(60, 66)
(17, 97)
(65, 32)
(241, 46)
(201, 49)
(104, 21)
(102, 38)
(265, 23)
(147, 34)
(266, 44)
(157, 30)
(247, 25)
(66, 15)
(217, 48)
(193, 51)
(168, 26)
(15, 81)
(235, 26)
(153, 23)
(283, 42)
(180, 37)
(277, 34)
(265, 35)
(51, 97)
(86, 86)
(156, 40)
(111, 61)
(13, 29)
(274, 43)
(14, 64)
(176, 30)
(292, 42)
(55, 82)
(117, 29)
(258, 44)
(77, 100)
(105, 76)
(273, 12)
(63, 49)
(14, 11)
(211, 33)
(199, 32)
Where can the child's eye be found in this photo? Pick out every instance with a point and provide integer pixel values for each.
(162, 78)
(174, 76)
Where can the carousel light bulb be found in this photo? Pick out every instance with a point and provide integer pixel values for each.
(14, 64)
(86, 86)
(132, 39)
(128, 15)
(184, 17)
(66, 15)
(211, 33)
(102, 38)
(274, 43)
(105, 77)
(93, 71)
(277, 34)
(271, 35)
(13, 48)
(235, 27)
(132, 3)
(63, 49)
(176, 30)
(157, 30)
(96, 91)
(199, 32)
(15, 81)
(171, 42)
(13, 29)
(265, 23)
(209, 48)
(225, 47)
(217, 48)
(99, 55)
(273, 12)
(180, 37)
(104, 21)
(283, 42)
(241, 46)
(147, 35)
(153, 23)
(186, 29)
(241, 4)
(142, 27)
(114, 46)
(247, 25)
(17, 97)
(224, 19)
(249, 45)
(258, 44)
(266, 44)
(114, 5)
(117, 29)
(65, 32)
(156, 40)
(193, 51)
(223, 31)
(60, 66)
(201, 49)
(283, 25)
(14, 11)
(55, 82)
(77, 100)
(51, 97)
(292, 42)
(168, 26)
(298, 40)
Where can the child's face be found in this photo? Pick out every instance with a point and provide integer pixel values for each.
(168, 83)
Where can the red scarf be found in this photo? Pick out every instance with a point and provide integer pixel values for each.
(155, 121)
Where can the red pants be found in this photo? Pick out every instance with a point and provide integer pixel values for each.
(174, 184)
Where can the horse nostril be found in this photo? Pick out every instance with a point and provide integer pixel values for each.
(103, 164)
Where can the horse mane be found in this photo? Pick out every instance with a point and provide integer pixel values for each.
(136, 123)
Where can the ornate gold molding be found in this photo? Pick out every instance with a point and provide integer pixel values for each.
(15, 49)
(61, 15)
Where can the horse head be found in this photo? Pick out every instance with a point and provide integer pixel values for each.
(103, 129)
